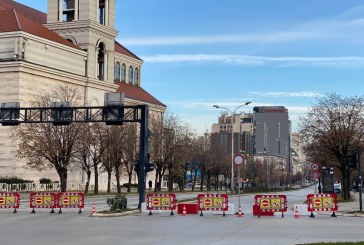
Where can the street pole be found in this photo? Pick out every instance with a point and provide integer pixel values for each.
(232, 113)
(360, 184)
(279, 138)
(232, 152)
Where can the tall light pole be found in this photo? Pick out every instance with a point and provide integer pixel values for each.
(232, 138)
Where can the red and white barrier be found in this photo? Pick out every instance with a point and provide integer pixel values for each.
(213, 202)
(161, 202)
(10, 200)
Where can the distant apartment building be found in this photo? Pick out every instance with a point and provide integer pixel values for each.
(241, 126)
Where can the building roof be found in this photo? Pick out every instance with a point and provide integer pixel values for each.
(137, 93)
(29, 12)
(122, 50)
(11, 20)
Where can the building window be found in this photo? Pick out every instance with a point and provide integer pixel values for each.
(101, 61)
(123, 73)
(101, 12)
(68, 10)
(117, 71)
(136, 77)
(130, 74)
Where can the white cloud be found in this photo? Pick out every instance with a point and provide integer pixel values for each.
(287, 94)
(248, 60)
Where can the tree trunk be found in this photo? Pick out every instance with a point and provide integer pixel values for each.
(346, 183)
(87, 181)
(108, 181)
(170, 181)
(117, 176)
(130, 174)
(62, 173)
(160, 177)
(96, 191)
(208, 180)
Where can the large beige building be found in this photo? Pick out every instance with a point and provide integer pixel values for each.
(74, 44)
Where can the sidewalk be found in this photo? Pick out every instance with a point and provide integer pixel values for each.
(346, 207)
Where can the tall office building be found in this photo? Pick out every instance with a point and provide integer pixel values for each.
(271, 131)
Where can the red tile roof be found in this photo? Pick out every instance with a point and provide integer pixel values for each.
(29, 12)
(137, 93)
(122, 50)
(11, 20)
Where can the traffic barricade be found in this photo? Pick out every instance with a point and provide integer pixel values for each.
(213, 202)
(322, 202)
(43, 200)
(161, 202)
(188, 208)
(70, 200)
(10, 200)
(271, 203)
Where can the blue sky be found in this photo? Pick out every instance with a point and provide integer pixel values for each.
(198, 53)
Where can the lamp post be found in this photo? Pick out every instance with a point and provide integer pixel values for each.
(232, 138)
(265, 143)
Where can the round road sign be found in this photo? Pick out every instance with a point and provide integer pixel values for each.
(156, 202)
(238, 159)
(2, 200)
(315, 167)
(65, 200)
(38, 200)
(317, 203)
(265, 203)
(207, 202)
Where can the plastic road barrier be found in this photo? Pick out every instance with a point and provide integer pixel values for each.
(271, 203)
(161, 202)
(43, 200)
(71, 200)
(10, 200)
(213, 202)
(322, 202)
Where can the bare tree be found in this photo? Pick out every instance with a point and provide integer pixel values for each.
(334, 128)
(131, 146)
(44, 145)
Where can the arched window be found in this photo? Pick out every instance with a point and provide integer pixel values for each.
(101, 61)
(123, 73)
(130, 74)
(101, 12)
(117, 71)
(136, 77)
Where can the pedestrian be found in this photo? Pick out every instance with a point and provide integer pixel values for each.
(150, 184)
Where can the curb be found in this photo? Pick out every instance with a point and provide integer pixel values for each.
(137, 211)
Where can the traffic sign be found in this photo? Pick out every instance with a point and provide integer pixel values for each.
(315, 167)
(207, 202)
(2, 200)
(238, 159)
(264, 203)
(38, 200)
(155, 201)
(317, 202)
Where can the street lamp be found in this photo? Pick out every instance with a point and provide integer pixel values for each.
(232, 138)
(265, 143)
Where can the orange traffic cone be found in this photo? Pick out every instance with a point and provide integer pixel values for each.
(184, 213)
(93, 211)
(240, 213)
(296, 214)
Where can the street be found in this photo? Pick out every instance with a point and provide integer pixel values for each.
(81, 229)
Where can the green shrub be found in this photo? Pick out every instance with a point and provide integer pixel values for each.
(45, 181)
(117, 203)
(13, 180)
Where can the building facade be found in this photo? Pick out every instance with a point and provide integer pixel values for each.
(241, 125)
(73, 44)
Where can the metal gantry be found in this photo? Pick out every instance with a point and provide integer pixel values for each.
(12, 115)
